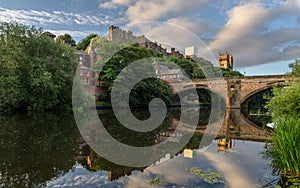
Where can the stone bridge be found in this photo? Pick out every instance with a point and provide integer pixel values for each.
(234, 91)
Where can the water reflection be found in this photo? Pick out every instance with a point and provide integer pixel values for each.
(35, 149)
(47, 150)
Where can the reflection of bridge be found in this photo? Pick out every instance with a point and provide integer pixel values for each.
(234, 125)
(235, 91)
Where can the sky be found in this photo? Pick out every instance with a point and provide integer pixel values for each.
(262, 35)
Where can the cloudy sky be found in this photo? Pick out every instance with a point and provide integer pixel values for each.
(263, 35)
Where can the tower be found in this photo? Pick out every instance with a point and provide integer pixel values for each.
(226, 61)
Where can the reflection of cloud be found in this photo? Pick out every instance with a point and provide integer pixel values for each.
(234, 175)
(80, 177)
(172, 171)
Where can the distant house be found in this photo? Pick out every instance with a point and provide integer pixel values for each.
(86, 60)
(84, 72)
(167, 74)
(49, 34)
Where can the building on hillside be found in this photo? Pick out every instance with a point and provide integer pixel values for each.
(86, 60)
(166, 74)
(118, 35)
(190, 52)
(49, 34)
(84, 72)
(226, 60)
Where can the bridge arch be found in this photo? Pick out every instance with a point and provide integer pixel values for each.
(246, 98)
(263, 88)
(205, 87)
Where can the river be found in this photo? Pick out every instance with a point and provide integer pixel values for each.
(47, 150)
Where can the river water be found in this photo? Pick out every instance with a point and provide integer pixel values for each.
(47, 150)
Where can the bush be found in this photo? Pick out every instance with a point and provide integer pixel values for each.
(284, 150)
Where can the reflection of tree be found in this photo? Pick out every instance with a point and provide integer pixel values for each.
(130, 137)
(94, 162)
(204, 115)
(35, 149)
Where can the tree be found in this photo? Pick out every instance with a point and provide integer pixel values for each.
(230, 73)
(295, 68)
(115, 57)
(35, 72)
(84, 43)
(286, 101)
(66, 39)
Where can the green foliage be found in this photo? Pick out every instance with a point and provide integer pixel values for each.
(286, 101)
(295, 68)
(35, 72)
(115, 57)
(66, 39)
(208, 175)
(155, 181)
(230, 73)
(84, 43)
(284, 150)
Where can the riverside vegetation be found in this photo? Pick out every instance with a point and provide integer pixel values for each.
(284, 149)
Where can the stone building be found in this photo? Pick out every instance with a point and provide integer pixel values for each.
(166, 74)
(226, 60)
(190, 52)
(118, 35)
(84, 73)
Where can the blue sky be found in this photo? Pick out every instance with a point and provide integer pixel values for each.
(262, 35)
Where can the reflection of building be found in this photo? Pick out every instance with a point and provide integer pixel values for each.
(190, 52)
(188, 153)
(166, 74)
(224, 144)
(94, 162)
(226, 60)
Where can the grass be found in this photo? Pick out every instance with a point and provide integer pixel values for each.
(284, 150)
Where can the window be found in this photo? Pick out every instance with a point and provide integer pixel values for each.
(80, 72)
(88, 73)
(80, 59)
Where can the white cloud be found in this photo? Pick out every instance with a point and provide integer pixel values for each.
(33, 17)
(115, 3)
(108, 5)
(247, 34)
(146, 10)
(74, 34)
(123, 2)
(199, 27)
